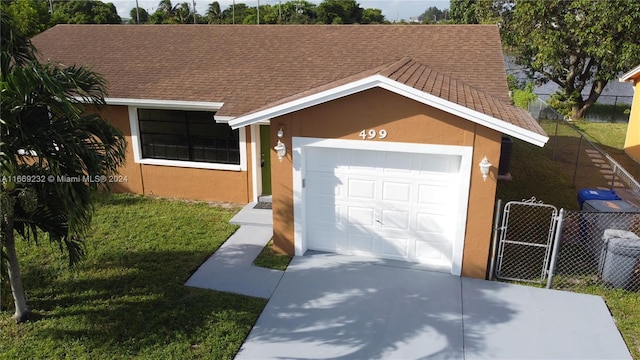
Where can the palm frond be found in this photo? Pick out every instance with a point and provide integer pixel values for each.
(16, 48)
(50, 128)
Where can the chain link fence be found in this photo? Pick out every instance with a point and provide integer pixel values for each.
(598, 249)
(528, 229)
(584, 163)
(569, 250)
(609, 108)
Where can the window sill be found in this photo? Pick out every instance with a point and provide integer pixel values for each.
(190, 164)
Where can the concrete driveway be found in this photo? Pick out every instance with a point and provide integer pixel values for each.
(331, 306)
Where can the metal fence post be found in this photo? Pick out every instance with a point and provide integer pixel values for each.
(575, 171)
(613, 175)
(494, 241)
(556, 248)
(555, 139)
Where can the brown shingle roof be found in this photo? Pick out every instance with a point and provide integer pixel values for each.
(420, 76)
(248, 67)
(409, 72)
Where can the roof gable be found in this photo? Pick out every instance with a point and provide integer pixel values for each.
(420, 83)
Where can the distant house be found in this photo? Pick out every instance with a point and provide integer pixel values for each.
(632, 141)
(369, 138)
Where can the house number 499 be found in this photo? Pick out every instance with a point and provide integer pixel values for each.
(372, 134)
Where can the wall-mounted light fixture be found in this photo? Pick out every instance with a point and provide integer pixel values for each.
(280, 148)
(485, 166)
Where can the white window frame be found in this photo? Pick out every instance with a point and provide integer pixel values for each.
(136, 144)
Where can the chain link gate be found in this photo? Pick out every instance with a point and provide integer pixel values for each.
(526, 239)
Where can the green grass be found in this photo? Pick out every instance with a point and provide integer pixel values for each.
(535, 174)
(547, 181)
(270, 260)
(564, 149)
(610, 138)
(127, 299)
(609, 112)
(607, 134)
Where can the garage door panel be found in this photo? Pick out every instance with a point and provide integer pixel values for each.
(440, 164)
(431, 251)
(324, 184)
(395, 219)
(360, 216)
(396, 163)
(395, 247)
(323, 159)
(433, 223)
(360, 243)
(361, 189)
(324, 239)
(434, 193)
(361, 162)
(325, 213)
(396, 191)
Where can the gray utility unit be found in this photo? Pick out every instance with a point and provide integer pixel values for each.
(620, 257)
(609, 206)
(594, 229)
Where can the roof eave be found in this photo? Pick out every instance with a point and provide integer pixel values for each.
(631, 75)
(166, 104)
(223, 119)
(398, 88)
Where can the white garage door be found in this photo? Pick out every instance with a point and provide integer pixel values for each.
(394, 205)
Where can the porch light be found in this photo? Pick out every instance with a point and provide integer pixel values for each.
(485, 166)
(280, 148)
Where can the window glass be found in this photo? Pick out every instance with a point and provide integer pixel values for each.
(187, 136)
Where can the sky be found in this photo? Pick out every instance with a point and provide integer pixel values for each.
(393, 10)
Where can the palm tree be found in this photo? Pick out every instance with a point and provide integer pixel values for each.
(214, 15)
(182, 13)
(167, 8)
(50, 133)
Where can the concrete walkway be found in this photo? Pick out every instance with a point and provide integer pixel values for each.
(231, 267)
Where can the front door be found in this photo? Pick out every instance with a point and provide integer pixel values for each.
(265, 158)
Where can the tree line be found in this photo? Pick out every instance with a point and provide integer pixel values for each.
(34, 16)
(288, 12)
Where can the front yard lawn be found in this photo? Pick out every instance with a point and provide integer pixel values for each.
(127, 299)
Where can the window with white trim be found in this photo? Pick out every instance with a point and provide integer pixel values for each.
(191, 136)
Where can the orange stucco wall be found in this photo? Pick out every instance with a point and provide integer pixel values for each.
(177, 182)
(405, 121)
(632, 141)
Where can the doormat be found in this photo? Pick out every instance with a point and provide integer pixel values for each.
(263, 205)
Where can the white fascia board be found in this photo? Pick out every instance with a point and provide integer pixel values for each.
(627, 77)
(227, 119)
(223, 119)
(398, 88)
(166, 104)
